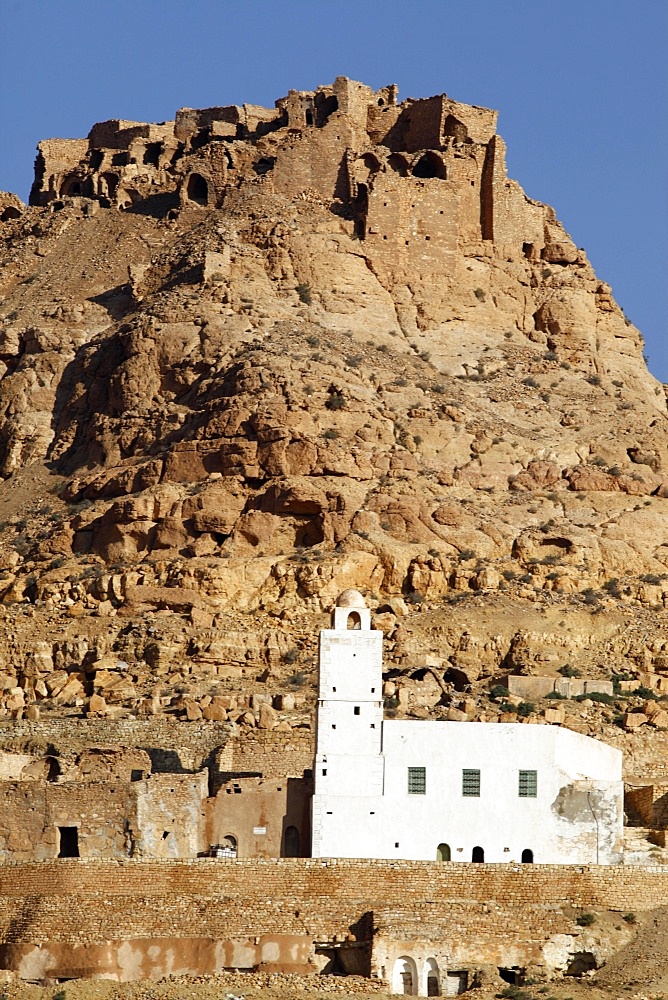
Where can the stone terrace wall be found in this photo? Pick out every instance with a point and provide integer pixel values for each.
(81, 902)
(172, 744)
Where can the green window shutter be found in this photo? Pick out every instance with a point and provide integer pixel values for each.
(417, 781)
(528, 784)
(471, 783)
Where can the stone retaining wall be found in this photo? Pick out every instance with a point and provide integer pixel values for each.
(58, 908)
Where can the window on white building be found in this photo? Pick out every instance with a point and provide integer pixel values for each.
(471, 783)
(417, 781)
(528, 786)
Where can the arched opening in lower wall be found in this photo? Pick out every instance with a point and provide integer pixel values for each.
(443, 852)
(291, 842)
(404, 977)
(477, 855)
(197, 190)
(431, 986)
(527, 856)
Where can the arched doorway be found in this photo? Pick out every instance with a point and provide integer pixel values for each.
(197, 190)
(443, 852)
(527, 856)
(404, 977)
(432, 980)
(291, 842)
(229, 847)
(354, 620)
(477, 855)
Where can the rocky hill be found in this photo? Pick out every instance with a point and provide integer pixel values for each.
(253, 357)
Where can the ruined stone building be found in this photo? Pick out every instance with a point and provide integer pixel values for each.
(449, 791)
(423, 177)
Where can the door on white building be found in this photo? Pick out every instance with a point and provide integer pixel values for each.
(443, 852)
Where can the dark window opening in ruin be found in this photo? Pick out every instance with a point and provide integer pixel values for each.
(309, 116)
(197, 190)
(111, 183)
(432, 986)
(152, 153)
(324, 107)
(120, 159)
(95, 158)
(430, 165)
(527, 250)
(514, 975)
(471, 783)
(381, 102)
(417, 780)
(200, 138)
(165, 834)
(371, 162)
(443, 852)
(264, 165)
(398, 164)
(69, 842)
(54, 769)
(291, 842)
(136, 774)
(71, 188)
(361, 210)
(354, 620)
(477, 856)
(527, 856)
(453, 127)
(581, 963)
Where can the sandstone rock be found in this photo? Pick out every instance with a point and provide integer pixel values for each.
(97, 705)
(631, 720)
(555, 716)
(456, 715)
(267, 717)
(214, 713)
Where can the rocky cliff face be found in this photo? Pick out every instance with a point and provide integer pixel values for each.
(255, 356)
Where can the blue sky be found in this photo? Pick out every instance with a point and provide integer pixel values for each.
(581, 86)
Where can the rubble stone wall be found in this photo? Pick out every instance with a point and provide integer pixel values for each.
(60, 912)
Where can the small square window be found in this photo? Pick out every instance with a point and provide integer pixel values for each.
(417, 780)
(528, 785)
(356, 710)
(471, 783)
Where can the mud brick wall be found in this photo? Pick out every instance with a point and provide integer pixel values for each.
(87, 901)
